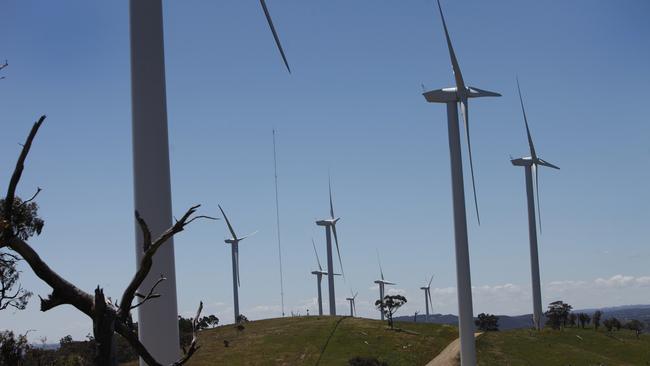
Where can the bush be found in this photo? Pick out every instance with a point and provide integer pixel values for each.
(362, 361)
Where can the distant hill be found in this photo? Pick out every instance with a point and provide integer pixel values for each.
(625, 312)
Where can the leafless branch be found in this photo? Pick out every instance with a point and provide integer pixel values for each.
(150, 295)
(202, 217)
(4, 65)
(38, 190)
(147, 258)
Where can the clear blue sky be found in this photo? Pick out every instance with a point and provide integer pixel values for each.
(353, 106)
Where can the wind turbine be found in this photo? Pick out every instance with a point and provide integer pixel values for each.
(157, 320)
(427, 298)
(330, 227)
(531, 165)
(234, 246)
(460, 94)
(319, 277)
(353, 306)
(382, 282)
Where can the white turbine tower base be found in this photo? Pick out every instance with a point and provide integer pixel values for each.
(157, 320)
(460, 94)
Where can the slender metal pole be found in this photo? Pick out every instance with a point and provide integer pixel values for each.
(463, 276)
(277, 216)
(235, 289)
(330, 270)
(319, 278)
(351, 311)
(534, 258)
(157, 320)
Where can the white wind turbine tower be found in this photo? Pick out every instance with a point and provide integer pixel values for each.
(330, 227)
(453, 96)
(319, 277)
(427, 298)
(157, 320)
(353, 306)
(234, 245)
(531, 165)
(382, 282)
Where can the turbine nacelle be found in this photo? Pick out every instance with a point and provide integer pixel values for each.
(328, 222)
(451, 94)
(384, 282)
(323, 273)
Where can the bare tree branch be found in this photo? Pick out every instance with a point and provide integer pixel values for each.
(147, 258)
(38, 190)
(4, 65)
(18, 171)
(150, 295)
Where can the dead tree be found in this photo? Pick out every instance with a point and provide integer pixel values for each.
(107, 317)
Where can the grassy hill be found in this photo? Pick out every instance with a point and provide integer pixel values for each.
(572, 346)
(303, 340)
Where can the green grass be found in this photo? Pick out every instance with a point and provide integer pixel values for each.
(551, 347)
(301, 340)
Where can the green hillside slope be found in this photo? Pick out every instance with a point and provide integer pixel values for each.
(333, 340)
(572, 346)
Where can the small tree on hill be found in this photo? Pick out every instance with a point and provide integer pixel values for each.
(557, 314)
(12, 348)
(635, 325)
(608, 324)
(390, 305)
(584, 319)
(487, 322)
(596, 319)
(616, 323)
(573, 318)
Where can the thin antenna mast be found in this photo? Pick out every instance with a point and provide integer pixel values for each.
(277, 215)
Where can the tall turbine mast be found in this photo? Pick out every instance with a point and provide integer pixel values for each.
(157, 320)
(277, 216)
(452, 97)
(531, 166)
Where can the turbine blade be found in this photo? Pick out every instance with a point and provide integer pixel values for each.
(331, 204)
(546, 163)
(354, 308)
(465, 111)
(539, 215)
(431, 280)
(248, 235)
(275, 34)
(533, 154)
(460, 84)
(237, 264)
(430, 302)
(338, 251)
(381, 271)
(232, 231)
(475, 92)
(316, 252)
